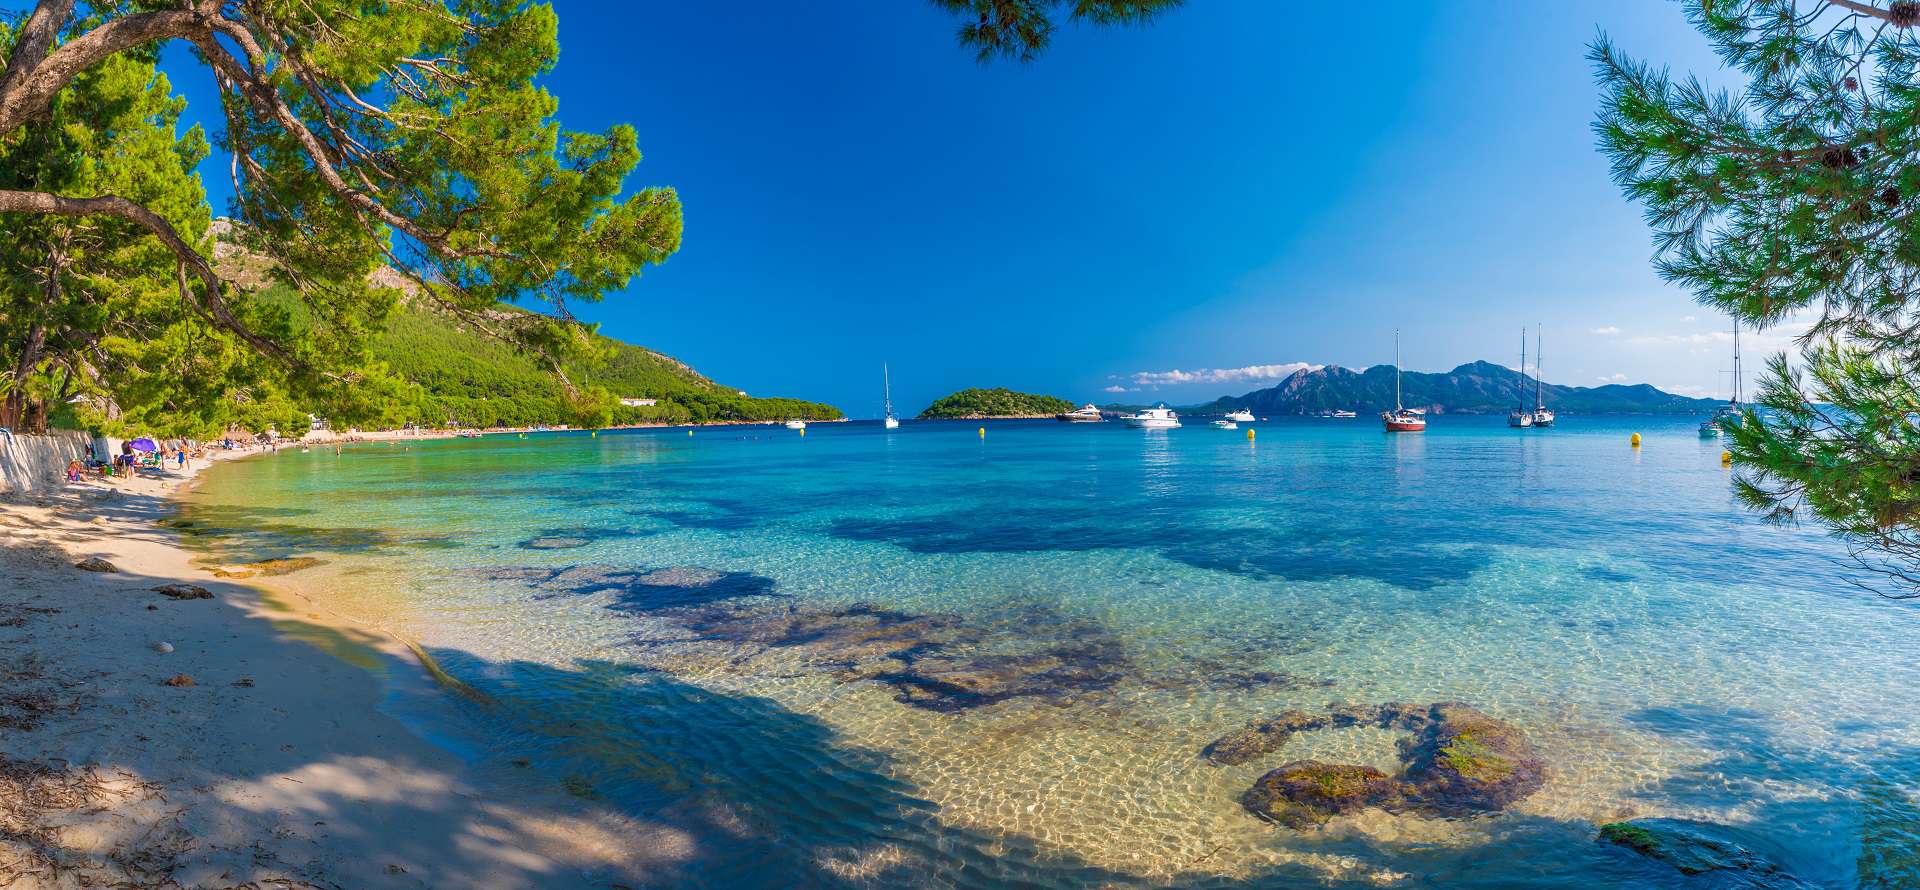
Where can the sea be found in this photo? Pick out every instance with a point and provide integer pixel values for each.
(991, 654)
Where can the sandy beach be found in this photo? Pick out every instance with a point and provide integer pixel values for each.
(201, 735)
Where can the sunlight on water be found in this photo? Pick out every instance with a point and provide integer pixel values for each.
(923, 656)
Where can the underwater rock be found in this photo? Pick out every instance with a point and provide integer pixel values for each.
(184, 592)
(1458, 761)
(1697, 848)
(1463, 761)
(554, 542)
(1306, 793)
(1261, 737)
(939, 662)
(272, 567)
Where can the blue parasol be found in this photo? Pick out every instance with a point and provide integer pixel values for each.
(143, 445)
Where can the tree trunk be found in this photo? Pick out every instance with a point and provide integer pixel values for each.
(29, 357)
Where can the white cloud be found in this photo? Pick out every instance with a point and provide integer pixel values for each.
(1684, 389)
(1249, 373)
(1607, 331)
(1116, 388)
(1613, 378)
(1688, 318)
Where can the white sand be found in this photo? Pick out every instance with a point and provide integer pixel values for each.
(275, 768)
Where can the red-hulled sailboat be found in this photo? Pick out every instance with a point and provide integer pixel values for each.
(1401, 419)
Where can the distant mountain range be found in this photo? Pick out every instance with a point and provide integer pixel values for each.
(1473, 388)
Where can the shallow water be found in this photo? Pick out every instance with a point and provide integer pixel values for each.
(927, 657)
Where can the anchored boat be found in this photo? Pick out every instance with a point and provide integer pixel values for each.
(886, 390)
(1158, 417)
(1730, 412)
(1521, 418)
(1084, 414)
(1541, 416)
(1401, 419)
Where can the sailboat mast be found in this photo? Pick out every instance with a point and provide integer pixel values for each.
(1539, 386)
(1736, 360)
(1520, 380)
(1396, 369)
(886, 388)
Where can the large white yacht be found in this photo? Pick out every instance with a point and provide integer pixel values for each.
(1240, 416)
(1084, 414)
(1158, 417)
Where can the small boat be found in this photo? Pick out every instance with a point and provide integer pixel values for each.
(1158, 417)
(886, 389)
(1521, 418)
(469, 434)
(1541, 416)
(1729, 414)
(1084, 414)
(1225, 424)
(1401, 419)
(796, 424)
(1240, 416)
(1344, 415)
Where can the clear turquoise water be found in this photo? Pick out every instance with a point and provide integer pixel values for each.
(1668, 654)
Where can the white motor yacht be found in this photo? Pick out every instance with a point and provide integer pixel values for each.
(1158, 417)
(1225, 425)
(796, 424)
(1240, 416)
(1084, 414)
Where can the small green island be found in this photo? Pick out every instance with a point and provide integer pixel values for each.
(999, 402)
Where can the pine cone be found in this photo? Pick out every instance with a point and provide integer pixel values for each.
(1839, 157)
(1890, 197)
(1850, 84)
(1904, 14)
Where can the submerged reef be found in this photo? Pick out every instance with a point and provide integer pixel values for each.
(1457, 761)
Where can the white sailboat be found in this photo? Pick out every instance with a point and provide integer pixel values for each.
(1730, 412)
(1541, 416)
(1401, 419)
(1520, 418)
(886, 388)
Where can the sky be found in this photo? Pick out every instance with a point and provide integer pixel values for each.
(1172, 212)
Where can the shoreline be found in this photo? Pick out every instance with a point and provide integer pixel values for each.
(253, 745)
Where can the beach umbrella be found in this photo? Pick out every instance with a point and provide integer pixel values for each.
(143, 445)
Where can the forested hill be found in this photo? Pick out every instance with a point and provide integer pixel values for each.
(1474, 388)
(996, 402)
(472, 379)
(450, 373)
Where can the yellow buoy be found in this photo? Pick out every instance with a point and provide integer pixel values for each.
(689, 432)
(1726, 457)
(803, 432)
(983, 432)
(596, 434)
(1636, 440)
(1249, 435)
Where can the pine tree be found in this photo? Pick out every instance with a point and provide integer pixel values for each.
(1795, 196)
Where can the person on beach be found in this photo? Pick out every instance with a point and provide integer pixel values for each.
(74, 470)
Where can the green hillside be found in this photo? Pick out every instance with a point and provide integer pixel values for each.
(997, 402)
(466, 377)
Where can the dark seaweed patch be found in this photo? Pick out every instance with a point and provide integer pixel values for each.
(638, 589)
(572, 538)
(1318, 554)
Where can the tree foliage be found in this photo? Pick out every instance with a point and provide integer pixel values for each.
(1795, 196)
(1022, 29)
(410, 134)
(996, 402)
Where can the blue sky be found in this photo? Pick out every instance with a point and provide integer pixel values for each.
(1244, 183)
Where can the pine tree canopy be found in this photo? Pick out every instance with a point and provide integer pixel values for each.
(1790, 198)
(410, 134)
(1022, 29)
